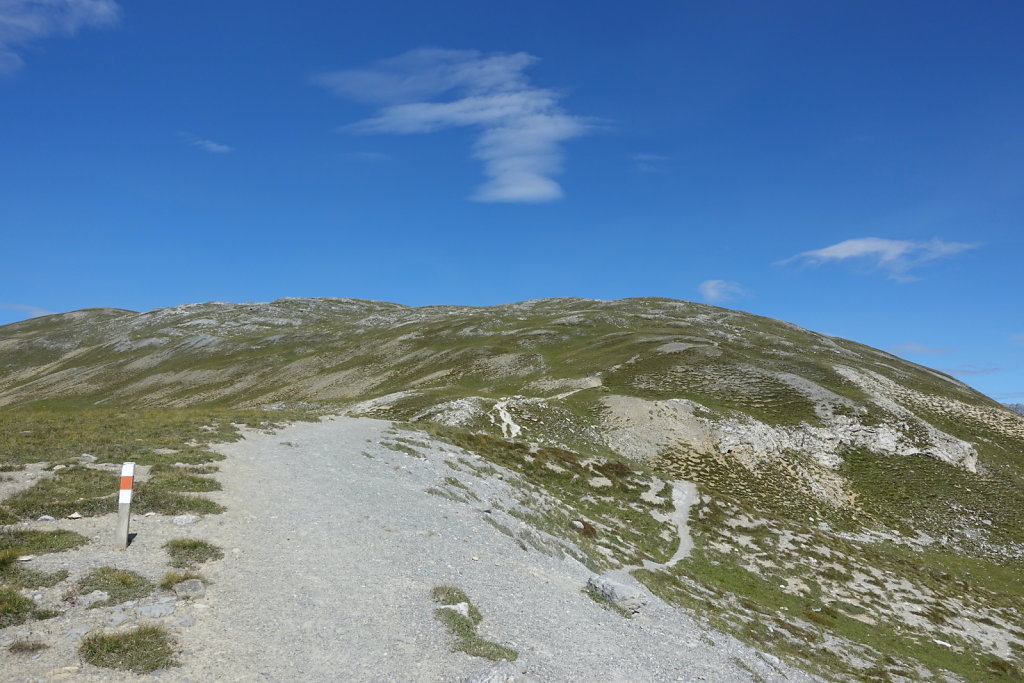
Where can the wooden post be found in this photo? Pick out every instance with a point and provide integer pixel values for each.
(124, 504)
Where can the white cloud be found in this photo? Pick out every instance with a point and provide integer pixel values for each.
(210, 146)
(31, 311)
(521, 126)
(894, 257)
(717, 291)
(967, 370)
(913, 348)
(22, 21)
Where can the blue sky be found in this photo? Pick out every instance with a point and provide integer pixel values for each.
(854, 167)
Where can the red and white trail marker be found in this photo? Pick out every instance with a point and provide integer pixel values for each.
(124, 504)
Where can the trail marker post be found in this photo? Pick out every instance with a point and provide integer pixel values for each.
(124, 504)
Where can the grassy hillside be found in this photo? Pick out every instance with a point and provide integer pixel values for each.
(860, 515)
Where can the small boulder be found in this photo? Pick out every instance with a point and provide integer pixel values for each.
(619, 594)
(75, 515)
(45, 518)
(191, 588)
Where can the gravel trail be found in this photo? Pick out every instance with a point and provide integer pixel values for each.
(333, 544)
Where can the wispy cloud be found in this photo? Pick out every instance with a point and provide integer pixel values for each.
(521, 126)
(648, 162)
(893, 257)
(913, 348)
(210, 146)
(717, 291)
(968, 370)
(23, 21)
(31, 311)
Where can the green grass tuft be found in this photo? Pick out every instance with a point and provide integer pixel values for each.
(172, 578)
(141, 650)
(464, 628)
(189, 552)
(14, 607)
(119, 584)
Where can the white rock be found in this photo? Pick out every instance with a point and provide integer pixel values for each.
(75, 515)
(462, 608)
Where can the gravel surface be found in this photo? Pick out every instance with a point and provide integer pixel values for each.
(332, 546)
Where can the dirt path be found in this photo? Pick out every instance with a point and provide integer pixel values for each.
(333, 545)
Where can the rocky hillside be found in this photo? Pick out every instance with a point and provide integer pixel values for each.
(879, 499)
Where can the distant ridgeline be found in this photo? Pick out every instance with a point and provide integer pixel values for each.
(1016, 407)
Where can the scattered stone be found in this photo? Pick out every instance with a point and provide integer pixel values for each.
(150, 514)
(155, 611)
(192, 588)
(45, 518)
(462, 608)
(26, 558)
(184, 520)
(502, 672)
(619, 594)
(577, 525)
(86, 457)
(75, 515)
(77, 633)
(91, 599)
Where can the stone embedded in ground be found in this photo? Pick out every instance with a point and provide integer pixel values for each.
(190, 588)
(155, 611)
(618, 594)
(184, 520)
(91, 599)
(117, 618)
(502, 672)
(86, 457)
(45, 518)
(577, 525)
(77, 633)
(184, 622)
(75, 515)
